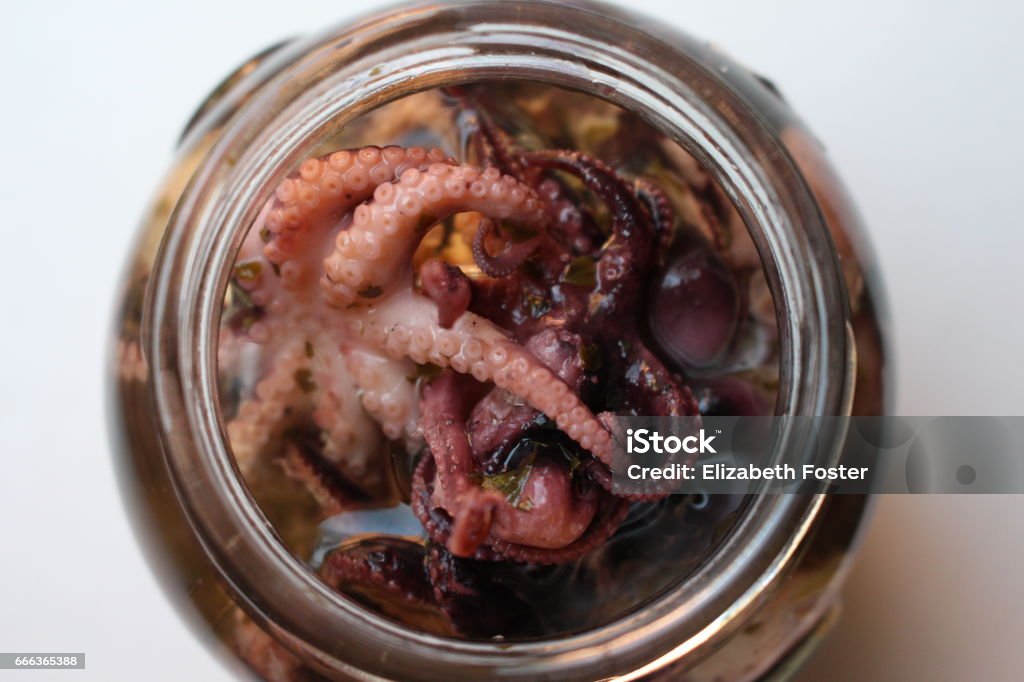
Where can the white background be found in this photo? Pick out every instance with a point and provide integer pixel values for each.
(919, 103)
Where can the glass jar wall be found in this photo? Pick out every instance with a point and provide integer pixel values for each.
(246, 568)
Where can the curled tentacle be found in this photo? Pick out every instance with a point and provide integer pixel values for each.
(370, 258)
(443, 426)
(626, 256)
(319, 195)
(659, 207)
(436, 520)
(570, 226)
(511, 257)
(629, 218)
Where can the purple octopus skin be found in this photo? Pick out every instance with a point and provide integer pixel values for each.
(440, 527)
(558, 513)
(622, 266)
(408, 574)
(448, 288)
(392, 565)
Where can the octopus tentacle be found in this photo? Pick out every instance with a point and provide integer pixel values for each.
(444, 429)
(406, 324)
(570, 225)
(321, 192)
(500, 417)
(499, 147)
(436, 520)
(351, 436)
(610, 512)
(371, 257)
(511, 257)
(332, 490)
(486, 516)
(386, 390)
(659, 207)
(392, 565)
(625, 257)
(260, 417)
(448, 288)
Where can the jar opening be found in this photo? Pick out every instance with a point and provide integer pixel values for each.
(332, 463)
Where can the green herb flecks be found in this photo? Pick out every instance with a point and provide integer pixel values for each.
(512, 483)
(309, 349)
(572, 458)
(240, 313)
(581, 271)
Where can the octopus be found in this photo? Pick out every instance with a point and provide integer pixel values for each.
(497, 373)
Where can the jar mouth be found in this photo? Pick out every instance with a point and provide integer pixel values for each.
(338, 77)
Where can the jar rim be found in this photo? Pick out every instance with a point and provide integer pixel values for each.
(346, 73)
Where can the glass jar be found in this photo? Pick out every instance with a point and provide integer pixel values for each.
(754, 608)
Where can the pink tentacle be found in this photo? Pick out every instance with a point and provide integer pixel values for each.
(319, 195)
(371, 258)
(406, 324)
